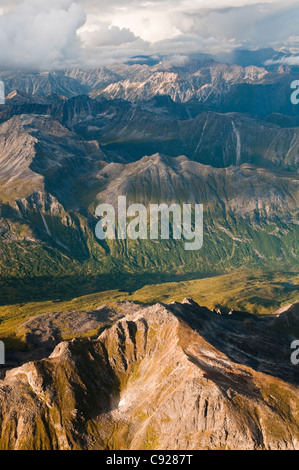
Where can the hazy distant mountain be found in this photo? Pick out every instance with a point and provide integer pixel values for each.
(182, 83)
(245, 58)
(244, 85)
(44, 84)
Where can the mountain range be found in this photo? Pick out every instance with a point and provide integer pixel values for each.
(98, 354)
(73, 139)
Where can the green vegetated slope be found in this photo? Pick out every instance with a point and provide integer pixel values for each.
(51, 181)
(44, 270)
(250, 220)
(252, 291)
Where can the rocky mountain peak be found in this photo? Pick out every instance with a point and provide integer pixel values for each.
(177, 376)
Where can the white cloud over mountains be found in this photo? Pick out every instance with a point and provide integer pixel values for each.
(49, 34)
(36, 34)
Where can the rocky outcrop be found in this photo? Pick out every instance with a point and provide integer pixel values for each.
(162, 377)
(200, 81)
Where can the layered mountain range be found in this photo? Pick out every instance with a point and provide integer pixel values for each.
(82, 374)
(154, 132)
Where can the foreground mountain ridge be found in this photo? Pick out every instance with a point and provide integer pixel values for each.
(163, 377)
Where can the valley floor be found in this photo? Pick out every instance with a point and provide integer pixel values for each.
(256, 292)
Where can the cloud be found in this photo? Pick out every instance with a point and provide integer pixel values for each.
(54, 34)
(181, 26)
(158, 20)
(290, 60)
(106, 35)
(39, 35)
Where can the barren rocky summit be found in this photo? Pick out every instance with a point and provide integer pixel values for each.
(162, 377)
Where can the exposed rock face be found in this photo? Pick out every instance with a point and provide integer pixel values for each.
(198, 82)
(163, 377)
(37, 152)
(44, 83)
(180, 83)
(244, 189)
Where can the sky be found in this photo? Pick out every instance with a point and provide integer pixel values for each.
(58, 34)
